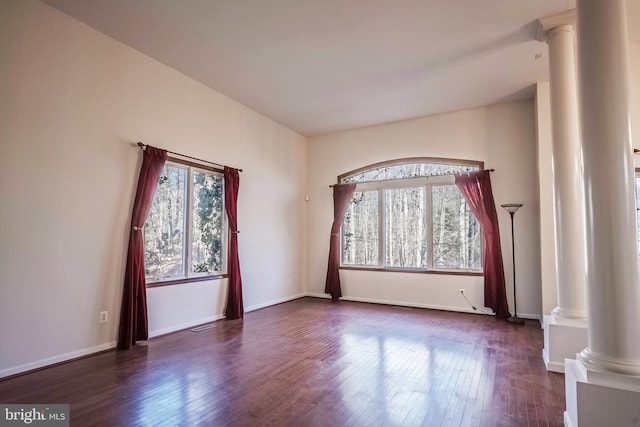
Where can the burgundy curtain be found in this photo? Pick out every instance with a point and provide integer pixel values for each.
(234, 309)
(133, 314)
(476, 189)
(342, 194)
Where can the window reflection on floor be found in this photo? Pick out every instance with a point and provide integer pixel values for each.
(408, 380)
(177, 395)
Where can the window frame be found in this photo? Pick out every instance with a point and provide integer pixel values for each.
(427, 182)
(191, 277)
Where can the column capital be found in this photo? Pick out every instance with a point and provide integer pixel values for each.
(548, 23)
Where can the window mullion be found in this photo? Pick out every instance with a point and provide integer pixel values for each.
(188, 225)
(382, 238)
(429, 224)
(342, 238)
(225, 230)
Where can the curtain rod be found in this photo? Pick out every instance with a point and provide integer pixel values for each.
(142, 146)
(429, 176)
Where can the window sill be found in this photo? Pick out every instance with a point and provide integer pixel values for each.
(414, 270)
(186, 280)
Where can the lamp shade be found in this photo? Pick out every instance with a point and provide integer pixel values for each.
(512, 207)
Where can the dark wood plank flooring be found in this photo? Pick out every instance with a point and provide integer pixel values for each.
(311, 362)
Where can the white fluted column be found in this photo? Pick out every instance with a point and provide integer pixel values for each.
(565, 330)
(567, 170)
(603, 384)
(612, 276)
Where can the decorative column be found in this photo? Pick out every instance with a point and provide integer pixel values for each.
(566, 328)
(613, 281)
(603, 384)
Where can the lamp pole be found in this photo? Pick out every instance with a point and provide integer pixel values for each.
(512, 208)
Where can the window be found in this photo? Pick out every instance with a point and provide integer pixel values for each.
(410, 215)
(185, 231)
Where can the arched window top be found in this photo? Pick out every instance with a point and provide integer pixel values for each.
(409, 168)
(409, 215)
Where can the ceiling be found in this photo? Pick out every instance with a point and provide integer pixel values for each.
(319, 66)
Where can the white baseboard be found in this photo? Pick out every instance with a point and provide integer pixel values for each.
(421, 305)
(186, 325)
(209, 319)
(531, 316)
(107, 346)
(404, 304)
(567, 419)
(270, 303)
(56, 359)
(550, 365)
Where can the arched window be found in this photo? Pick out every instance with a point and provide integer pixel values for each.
(408, 214)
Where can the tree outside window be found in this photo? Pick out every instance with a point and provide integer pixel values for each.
(184, 233)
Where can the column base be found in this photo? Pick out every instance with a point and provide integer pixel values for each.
(596, 399)
(563, 338)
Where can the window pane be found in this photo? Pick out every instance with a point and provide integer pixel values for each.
(409, 170)
(206, 247)
(456, 231)
(360, 230)
(164, 228)
(405, 227)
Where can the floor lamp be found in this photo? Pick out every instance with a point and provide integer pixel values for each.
(512, 208)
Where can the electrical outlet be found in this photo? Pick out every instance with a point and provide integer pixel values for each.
(104, 316)
(461, 291)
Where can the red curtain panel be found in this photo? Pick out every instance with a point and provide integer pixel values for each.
(476, 189)
(133, 314)
(234, 309)
(342, 194)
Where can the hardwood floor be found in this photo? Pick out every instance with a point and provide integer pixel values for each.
(311, 362)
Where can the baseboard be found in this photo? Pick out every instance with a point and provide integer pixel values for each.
(270, 303)
(56, 359)
(403, 304)
(110, 345)
(551, 366)
(530, 316)
(175, 328)
(567, 419)
(421, 305)
(152, 334)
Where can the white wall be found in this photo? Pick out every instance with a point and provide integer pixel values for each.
(72, 104)
(503, 136)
